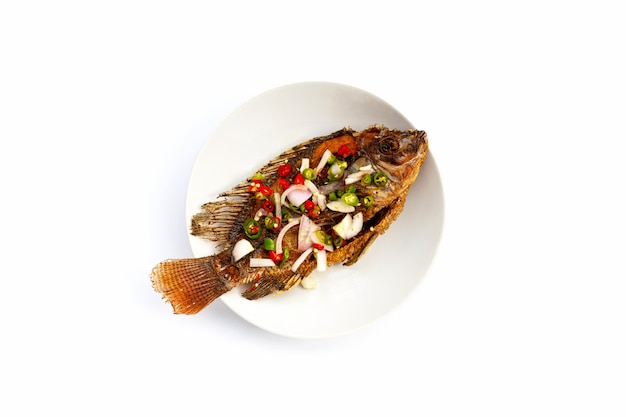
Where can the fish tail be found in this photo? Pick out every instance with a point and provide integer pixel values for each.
(191, 284)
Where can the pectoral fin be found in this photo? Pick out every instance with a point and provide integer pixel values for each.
(350, 253)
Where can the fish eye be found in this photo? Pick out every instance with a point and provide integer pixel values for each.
(387, 146)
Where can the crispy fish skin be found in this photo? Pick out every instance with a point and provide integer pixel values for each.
(191, 284)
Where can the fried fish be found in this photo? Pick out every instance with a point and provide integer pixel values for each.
(323, 202)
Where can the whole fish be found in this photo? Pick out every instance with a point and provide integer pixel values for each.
(320, 203)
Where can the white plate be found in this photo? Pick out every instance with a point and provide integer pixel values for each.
(347, 298)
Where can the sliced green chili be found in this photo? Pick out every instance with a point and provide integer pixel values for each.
(322, 236)
(350, 198)
(309, 174)
(285, 215)
(368, 201)
(285, 256)
(252, 229)
(269, 244)
(272, 223)
(336, 171)
(366, 180)
(380, 179)
(257, 177)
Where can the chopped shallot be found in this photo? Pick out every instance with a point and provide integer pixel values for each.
(260, 213)
(283, 231)
(355, 177)
(340, 206)
(297, 194)
(301, 259)
(277, 204)
(321, 260)
(325, 156)
(261, 262)
(241, 249)
(349, 226)
(307, 228)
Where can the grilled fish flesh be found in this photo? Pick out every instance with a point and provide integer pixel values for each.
(323, 202)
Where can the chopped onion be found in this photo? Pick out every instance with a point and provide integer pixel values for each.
(343, 226)
(277, 205)
(357, 225)
(335, 170)
(349, 226)
(321, 260)
(307, 228)
(297, 194)
(340, 206)
(241, 249)
(318, 198)
(304, 165)
(325, 156)
(321, 201)
(261, 262)
(260, 213)
(281, 234)
(367, 169)
(312, 187)
(351, 179)
(300, 259)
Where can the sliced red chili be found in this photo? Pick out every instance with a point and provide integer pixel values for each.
(268, 206)
(255, 186)
(284, 170)
(276, 257)
(272, 223)
(284, 183)
(308, 205)
(346, 149)
(314, 213)
(318, 246)
(298, 179)
(252, 228)
(265, 190)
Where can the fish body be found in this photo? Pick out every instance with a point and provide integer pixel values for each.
(321, 203)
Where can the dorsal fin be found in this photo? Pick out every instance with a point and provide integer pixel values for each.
(217, 221)
(221, 220)
(294, 155)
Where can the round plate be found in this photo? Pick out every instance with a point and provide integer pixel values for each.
(346, 298)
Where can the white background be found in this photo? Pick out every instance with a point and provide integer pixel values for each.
(104, 106)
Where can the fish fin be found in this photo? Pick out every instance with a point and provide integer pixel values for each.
(191, 284)
(295, 154)
(277, 281)
(217, 220)
(352, 252)
(360, 247)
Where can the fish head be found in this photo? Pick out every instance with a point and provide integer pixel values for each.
(399, 154)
